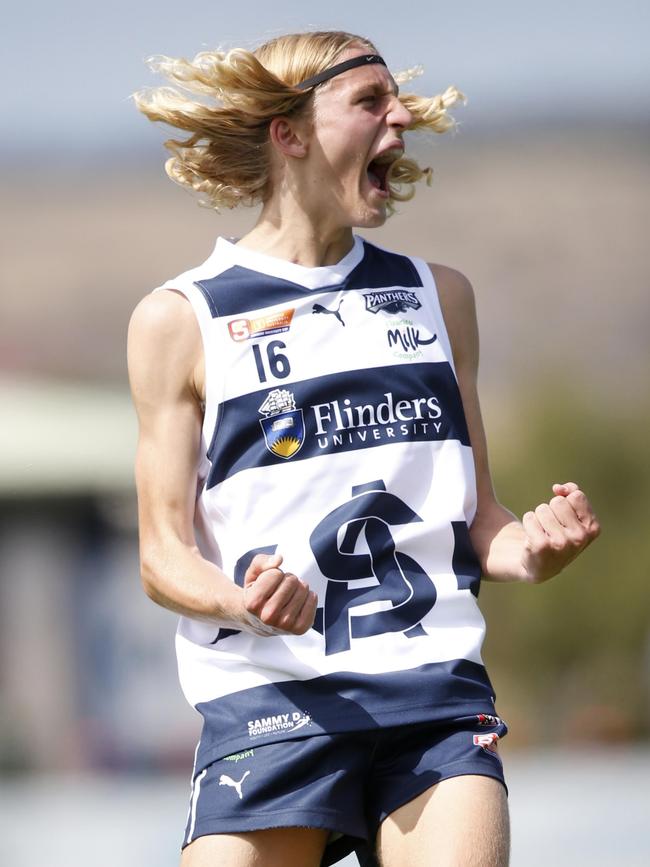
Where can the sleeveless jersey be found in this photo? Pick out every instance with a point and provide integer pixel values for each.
(333, 434)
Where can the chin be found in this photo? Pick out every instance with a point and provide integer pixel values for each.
(371, 218)
(377, 222)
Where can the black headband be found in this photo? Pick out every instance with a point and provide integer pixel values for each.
(363, 60)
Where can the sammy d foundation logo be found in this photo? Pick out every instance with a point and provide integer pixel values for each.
(392, 301)
(281, 722)
(283, 425)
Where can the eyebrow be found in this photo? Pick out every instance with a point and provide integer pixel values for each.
(378, 88)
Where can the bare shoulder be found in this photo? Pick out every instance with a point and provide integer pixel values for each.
(459, 310)
(164, 342)
(455, 292)
(166, 316)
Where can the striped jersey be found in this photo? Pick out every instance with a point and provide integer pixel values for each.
(334, 435)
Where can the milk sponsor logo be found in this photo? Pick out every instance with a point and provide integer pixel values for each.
(281, 722)
(340, 422)
(263, 326)
(405, 339)
(283, 425)
(391, 301)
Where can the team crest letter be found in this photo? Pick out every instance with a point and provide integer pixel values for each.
(399, 580)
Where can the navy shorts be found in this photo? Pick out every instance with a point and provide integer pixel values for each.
(346, 783)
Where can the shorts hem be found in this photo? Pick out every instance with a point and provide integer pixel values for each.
(464, 771)
(325, 819)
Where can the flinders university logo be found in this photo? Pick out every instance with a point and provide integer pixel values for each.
(283, 424)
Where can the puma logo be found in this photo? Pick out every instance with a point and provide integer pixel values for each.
(318, 308)
(225, 780)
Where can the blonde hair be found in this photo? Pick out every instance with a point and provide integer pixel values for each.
(226, 157)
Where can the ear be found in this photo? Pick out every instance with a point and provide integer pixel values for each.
(288, 137)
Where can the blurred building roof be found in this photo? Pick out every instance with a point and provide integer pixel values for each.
(65, 439)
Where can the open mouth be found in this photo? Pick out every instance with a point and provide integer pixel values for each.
(379, 168)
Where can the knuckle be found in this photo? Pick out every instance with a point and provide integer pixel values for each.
(257, 562)
(550, 544)
(252, 600)
(305, 621)
(287, 621)
(529, 520)
(290, 582)
(534, 545)
(255, 609)
(269, 613)
(577, 539)
(304, 616)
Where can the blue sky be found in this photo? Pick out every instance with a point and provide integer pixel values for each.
(70, 66)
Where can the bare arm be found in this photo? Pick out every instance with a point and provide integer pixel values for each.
(166, 373)
(550, 536)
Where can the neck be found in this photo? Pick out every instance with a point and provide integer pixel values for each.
(287, 232)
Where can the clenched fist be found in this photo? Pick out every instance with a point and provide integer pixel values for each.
(276, 602)
(557, 531)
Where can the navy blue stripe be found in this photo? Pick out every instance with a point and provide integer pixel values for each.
(239, 290)
(239, 443)
(343, 702)
(465, 563)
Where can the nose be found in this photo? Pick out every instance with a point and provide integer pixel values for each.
(399, 115)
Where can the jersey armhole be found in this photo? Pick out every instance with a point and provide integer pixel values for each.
(213, 387)
(429, 283)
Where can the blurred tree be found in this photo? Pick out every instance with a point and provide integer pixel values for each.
(571, 655)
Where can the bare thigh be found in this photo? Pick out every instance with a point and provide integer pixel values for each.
(275, 847)
(460, 822)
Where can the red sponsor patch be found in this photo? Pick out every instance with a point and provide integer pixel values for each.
(486, 719)
(488, 741)
(273, 323)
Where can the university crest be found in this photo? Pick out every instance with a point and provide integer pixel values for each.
(283, 425)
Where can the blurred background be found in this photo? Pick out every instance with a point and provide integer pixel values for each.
(540, 197)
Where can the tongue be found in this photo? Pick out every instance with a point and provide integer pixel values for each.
(374, 179)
